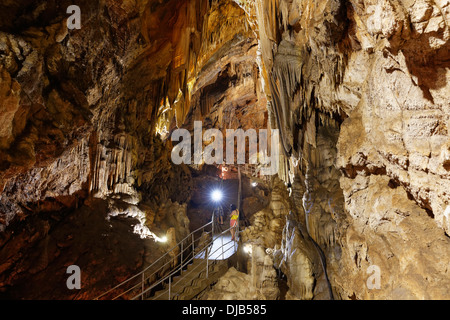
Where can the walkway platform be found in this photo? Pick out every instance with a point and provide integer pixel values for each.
(222, 248)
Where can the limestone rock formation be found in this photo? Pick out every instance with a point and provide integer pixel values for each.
(267, 225)
(359, 91)
(362, 87)
(234, 285)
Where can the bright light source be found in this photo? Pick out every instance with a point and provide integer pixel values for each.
(254, 184)
(248, 248)
(145, 233)
(162, 239)
(216, 195)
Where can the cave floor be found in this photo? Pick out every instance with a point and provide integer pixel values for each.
(222, 248)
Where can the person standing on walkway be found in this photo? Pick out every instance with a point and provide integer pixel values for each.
(233, 220)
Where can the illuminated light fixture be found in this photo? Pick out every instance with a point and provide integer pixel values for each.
(162, 239)
(248, 249)
(217, 195)
(254, 184)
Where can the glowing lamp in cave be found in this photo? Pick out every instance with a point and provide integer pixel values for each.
(248, 249)
(162, 239)
(217, 195)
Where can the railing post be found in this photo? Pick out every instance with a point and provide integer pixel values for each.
(236, 234)
(212, 238)
(181, 263)
(212, 227)
(193, 248)
(142, 285)
(170, 285)
(207, 263)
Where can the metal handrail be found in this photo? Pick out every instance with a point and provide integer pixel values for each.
(176, 257)
(142, 273)
(185, 275)
(144, 278)
(173, 272)
(205, 251)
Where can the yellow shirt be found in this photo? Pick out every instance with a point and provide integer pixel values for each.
(235, 216)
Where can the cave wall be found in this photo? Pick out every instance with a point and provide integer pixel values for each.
(359, 91)
(84, 128)
(80, 113)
